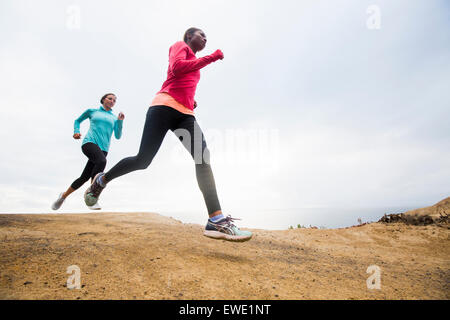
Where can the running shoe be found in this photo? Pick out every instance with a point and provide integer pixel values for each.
(58, 203)
(93, 192)
(225, 229)
(95, 207)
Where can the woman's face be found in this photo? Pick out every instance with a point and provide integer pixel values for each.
(109, 101)
(197, 41)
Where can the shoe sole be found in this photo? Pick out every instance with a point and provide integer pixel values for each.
(223, 236)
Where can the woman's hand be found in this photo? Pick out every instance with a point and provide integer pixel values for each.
(121, 116)
(218, 54)
(195, 104)
(77, 135)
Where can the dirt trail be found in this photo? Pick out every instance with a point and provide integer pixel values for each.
(148, 256)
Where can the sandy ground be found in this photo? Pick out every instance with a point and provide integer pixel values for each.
(148, 256)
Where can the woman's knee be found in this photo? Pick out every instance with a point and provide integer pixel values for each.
(206, 156)
(101, 163)
(201, 157)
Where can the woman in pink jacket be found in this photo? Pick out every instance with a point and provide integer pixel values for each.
(173, 109)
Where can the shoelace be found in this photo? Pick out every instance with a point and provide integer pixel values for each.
(96, 189)
(229, 220)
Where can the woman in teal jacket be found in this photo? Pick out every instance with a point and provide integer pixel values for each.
(96, 143)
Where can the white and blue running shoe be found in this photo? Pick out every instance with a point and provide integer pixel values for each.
(225, 230)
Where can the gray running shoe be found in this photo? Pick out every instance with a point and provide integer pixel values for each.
(93, 192)
(58, 203)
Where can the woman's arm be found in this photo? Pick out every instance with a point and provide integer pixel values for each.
(179, 65)
(78, 121)
(118, 125)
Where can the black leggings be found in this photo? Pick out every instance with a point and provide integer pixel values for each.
(159, 120)
(96, 163)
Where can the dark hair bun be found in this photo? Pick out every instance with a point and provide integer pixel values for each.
(189, 32)
(104, 97)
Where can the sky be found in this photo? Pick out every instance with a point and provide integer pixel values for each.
(316, 105)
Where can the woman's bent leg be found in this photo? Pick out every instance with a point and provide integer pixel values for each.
(95, 164)
(85, 175)
(96, 156)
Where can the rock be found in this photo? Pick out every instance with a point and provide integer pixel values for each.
(436, 214)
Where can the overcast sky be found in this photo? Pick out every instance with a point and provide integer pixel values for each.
(317, 104)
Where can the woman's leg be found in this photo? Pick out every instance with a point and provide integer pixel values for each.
(85, 175)
(95, 164)
(158, 121)
(96, 156)
(68, 192)
(218, 226)
(191, 135)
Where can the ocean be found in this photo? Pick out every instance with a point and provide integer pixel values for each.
(282, 219)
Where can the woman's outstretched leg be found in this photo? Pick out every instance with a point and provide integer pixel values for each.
(156, 126)
(191, 135)
(218, 226)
